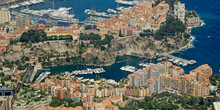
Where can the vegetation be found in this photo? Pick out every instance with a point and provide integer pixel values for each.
(90, 27)
(8, 64)
(215, 80)
(33, 36)
(168, 101)
(66, 102)
(170, 2)
(4, 78)
(90, 36)
(172, 27)
(190, 14)
(96, 40)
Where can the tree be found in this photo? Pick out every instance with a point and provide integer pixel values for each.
(39, 59)
(33, 36)
(88, 27)
(201, 102)
(27, 58)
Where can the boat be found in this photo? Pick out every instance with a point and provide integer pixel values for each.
(120, 8)
(80, 78)
(170, 59)
(128, 68)
(126, 2)
(60, 15)
(176, 61)
(184, 64)
(111, 11)
(14, 6)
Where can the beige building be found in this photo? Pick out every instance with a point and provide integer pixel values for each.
(179, 11)
(6, 102)
(4, 15)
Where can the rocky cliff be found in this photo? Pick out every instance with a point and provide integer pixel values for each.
(63, 52)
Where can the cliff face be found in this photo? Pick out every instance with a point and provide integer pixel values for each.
(59, 49)
(88, 54)
(144, 47)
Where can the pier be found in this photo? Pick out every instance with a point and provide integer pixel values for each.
(175, 59)
(123, 61)
(45, 69)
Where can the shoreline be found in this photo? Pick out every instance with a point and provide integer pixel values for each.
(187, 46)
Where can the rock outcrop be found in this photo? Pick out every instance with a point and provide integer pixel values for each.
(135, 46)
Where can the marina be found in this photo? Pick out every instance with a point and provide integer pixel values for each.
(187, 54)
(61, 14)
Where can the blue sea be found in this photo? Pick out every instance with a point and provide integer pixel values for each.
(206, 46)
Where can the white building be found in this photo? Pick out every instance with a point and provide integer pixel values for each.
(179, 11)
(4, 15)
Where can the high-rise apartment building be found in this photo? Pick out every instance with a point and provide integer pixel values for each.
(5, 15)
(22, 20)
(179, 11)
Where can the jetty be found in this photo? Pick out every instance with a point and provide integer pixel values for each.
(123, 61)
(178, 60)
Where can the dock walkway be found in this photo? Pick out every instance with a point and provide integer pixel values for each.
(180, 59)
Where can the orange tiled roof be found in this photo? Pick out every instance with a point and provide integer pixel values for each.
(150, 81)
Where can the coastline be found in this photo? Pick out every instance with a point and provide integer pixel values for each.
(187, 46)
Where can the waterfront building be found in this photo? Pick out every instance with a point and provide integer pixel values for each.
(166, 77)
(140, 76)
(154, 84)
(135, 79)
(192, 19)
(5, 15)
(179, 11)
(176, 70)
(133, 21)
(22, 21)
